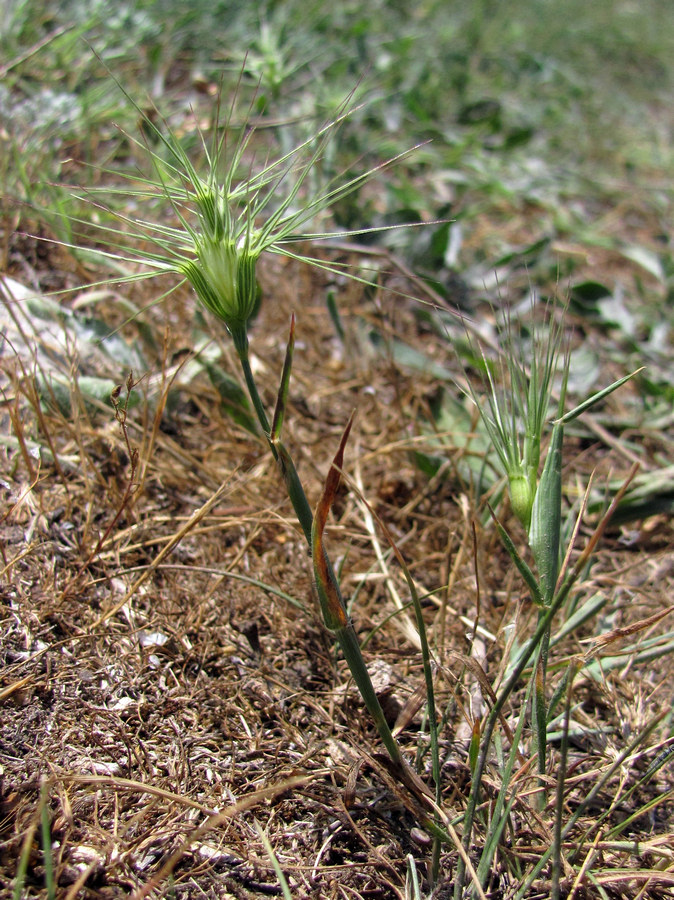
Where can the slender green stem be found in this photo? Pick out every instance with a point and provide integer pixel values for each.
(348, 641)
(540, 712)
(344, 634)
(561, 782)
(241, 344)
(473, 798)
(294, 487)
(47, 843)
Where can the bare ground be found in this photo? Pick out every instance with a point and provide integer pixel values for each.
(167, 691)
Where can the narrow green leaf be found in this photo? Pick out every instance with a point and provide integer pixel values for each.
(274, 861)
(546, 516)
(412, 887)
(540, 720)
(523, 568)
(587, 611)
(662, 757)
(294, 487)
(333, 312)
(282, 396)
(595, 398)
(474, 747)
(47, 845)
(643, 810)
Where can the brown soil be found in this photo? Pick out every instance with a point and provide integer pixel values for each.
(168, 693)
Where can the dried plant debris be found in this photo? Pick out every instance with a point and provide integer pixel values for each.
(176, 720)
(168, 690)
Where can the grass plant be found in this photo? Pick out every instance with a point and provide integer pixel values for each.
(517, 786)
(227, 218)
(516, 417)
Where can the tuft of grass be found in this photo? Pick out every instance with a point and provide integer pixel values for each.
(517, 417)
(42, 822)
(491, 111)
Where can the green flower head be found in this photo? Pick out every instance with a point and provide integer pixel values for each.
(229, 213)
(223, 278)
(522, 494)
(517, 406)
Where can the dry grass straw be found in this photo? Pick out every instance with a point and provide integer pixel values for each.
(242, 695)
(138, 663)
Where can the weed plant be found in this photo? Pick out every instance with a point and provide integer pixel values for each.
(228, 211)
(226, 216)
(226, 220)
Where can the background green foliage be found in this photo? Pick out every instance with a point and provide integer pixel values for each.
(534, 102)
(548, 129)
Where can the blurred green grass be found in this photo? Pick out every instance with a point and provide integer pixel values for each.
(548, 124)
(527, 99)
(571, 81)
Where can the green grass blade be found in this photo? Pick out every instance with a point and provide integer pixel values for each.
(22, 868)
(47, 845)
(294, 488)
(282, 397)
(571, 673)
(595, 398)
(285, 889)
(412, 887)
(546, 517)
(524, 570)
(641, 811)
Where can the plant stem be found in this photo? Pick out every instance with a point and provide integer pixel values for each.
(473, 798)
(540, 712)
(561, 781)
(345, 635)
(241, 345)
(348, 641)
